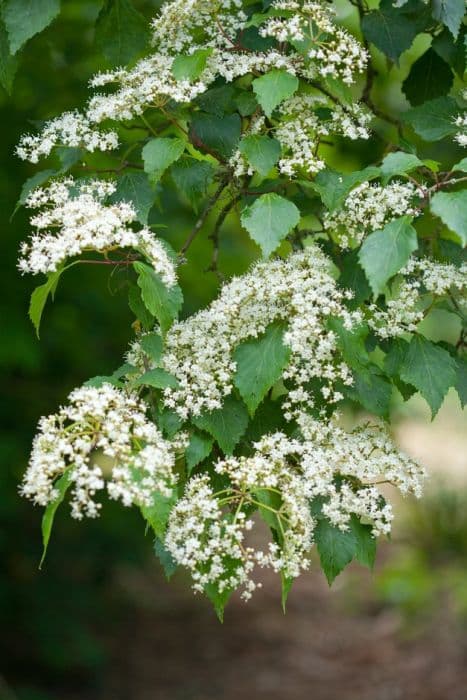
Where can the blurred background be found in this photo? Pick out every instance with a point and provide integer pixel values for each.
(99, 622)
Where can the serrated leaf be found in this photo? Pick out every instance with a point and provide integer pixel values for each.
(135, 188)
(260, 363)
(371, 390)
(198, 449)
(399, 163)
(395, 356)
(261, 152)
(385, 252)
(157, 514)
(190, 66)
(351, 342)
(269, 220)
(392, 29)
(273, 88)
(122, 33)
(433, 120)
(159, 153)
(25, 18)
(451, 207)
(450, 13)
(461, 380)
(353, 277)
(192, 177)
(39, 298)
(8, 62)
(157, 378)
(430, 369)
(162, 302)
(214, 134)
(336, 548)
(226, 425)
(165, 558)
(136, 304)
(152, 345)
(365, 551)
(430, 77)
(30, 184)
(61, 486)
(333, 187)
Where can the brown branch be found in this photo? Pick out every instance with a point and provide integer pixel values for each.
(199, 224)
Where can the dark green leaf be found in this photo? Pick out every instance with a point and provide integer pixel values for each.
(461, 381)
(213, 134)
(61, 486)
(192, 177)
(162, 302)
(122, 33)
(157, 514)
(226, 424)
(392, 29)
(135, 188)
(167, 561)
(433, 120)
(152, 345)
(430, 76)
(198, 449)
(336, 548)
(8, 62)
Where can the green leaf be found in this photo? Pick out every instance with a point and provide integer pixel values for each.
(226, 424)
(218, 100)
(218, 598)
(461, 165)
(31, 183)
(260, 363)
(385, 252)
(371, 390)
(453, 52)
(395, 356)
(135, 188)
(122, 33)
(198, 449)
(430, 369)
(166, 560)
(152, 345)
(286, 586)
(192, 177)
(159, 153)
(39, 298)
(430, 76)
(353, 277)
(162, 302)
(365, 550)
(269, 220)
(449, 12)
(392, 29)
(399, 163)
(351, 343)
(461, 381)
(25, 18)
(8, 62)
(261, 152)
(434, 119)
(61, 486)
(333, 187)
(273, 88)
(158, 378)
(214, 134)
(189, 67)
(451, 207)
(136, 304)
(157, 514)
(336, 548)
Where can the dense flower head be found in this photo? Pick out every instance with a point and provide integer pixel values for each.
(102, 439)
(299, 292)
(75, 216)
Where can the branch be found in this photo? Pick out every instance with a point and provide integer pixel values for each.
(199, 224)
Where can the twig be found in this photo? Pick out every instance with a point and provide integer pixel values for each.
(199, 224)
(214, 237)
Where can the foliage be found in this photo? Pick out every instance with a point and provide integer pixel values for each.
(237, 112)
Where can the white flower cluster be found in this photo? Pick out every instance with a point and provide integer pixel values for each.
(71, 129)
(370, 207)
(102, 438)
(74, 217)
(421, 278)
(334, 52)
(207, 529)
(299, 291)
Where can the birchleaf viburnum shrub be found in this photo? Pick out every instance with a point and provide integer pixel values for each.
(231, 416)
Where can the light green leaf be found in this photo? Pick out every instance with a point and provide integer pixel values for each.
(25, 18)
(159, 153)
(162, 302)
(39, 298)
(260, 363)
(398, 163)
(136, 304)
(336, 548)
(226, 424)
(198, 449)
(122, 33)
(449, 12)
(261, 152)
(61, 486)
(157, 514)
(165, 558)
(152, 344)
(451, 207)
(269, 220)
(430, 369)
(158, 378)
(433, 120)
(461, 382)
(385, 252)
(190, 67)
(461, 165)
(273, 88)
(333, 187)
(135, 188)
